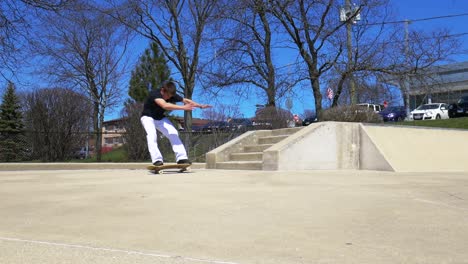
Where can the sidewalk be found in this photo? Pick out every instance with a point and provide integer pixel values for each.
(117, 216)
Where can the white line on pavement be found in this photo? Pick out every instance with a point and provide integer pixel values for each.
(113, 250)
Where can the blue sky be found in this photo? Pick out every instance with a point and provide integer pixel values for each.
(421, 9)
(405, 9)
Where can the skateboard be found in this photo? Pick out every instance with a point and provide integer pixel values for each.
(160, 169)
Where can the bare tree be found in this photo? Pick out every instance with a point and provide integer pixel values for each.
(245, 47)
(422, 51)
(406, 59)
(15, 22)
(85, 49)
(58, 121)
(366, 45)
(312, 26)
(222, 112)
(178, 27)
(135, 135)
(382, 46)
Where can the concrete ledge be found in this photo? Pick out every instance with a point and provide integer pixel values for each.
(410, 149)
(81, 166)
(370, 156)
(277, 157)
(320, 146)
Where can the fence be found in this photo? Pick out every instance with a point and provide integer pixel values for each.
(49, 146)
(41, 146)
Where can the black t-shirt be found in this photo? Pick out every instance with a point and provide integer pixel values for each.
(152, 109)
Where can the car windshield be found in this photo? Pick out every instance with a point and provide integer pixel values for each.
(216, 123)
(239, 121)
(391, 109)
(462, 100)
(428, 106)
(363, 106)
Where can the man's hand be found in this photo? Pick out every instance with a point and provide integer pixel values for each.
(188, 107)
(203, 106)
(194, 104)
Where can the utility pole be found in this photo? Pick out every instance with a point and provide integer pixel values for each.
(350, 14)
(349, 47)
(406, 81)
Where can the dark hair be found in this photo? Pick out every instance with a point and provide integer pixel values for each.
(169, 87)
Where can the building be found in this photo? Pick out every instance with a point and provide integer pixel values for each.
(112, 134)
(440, 84)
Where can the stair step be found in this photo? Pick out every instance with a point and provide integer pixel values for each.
(285, 131)
(240, 165)
(256, 148)
(271, 139)
(251, 156)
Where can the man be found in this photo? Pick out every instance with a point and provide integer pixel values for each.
(153, 119)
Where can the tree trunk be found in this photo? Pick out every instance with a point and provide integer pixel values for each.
(317, 95)
(97, 133)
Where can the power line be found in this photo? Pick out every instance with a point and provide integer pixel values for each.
(439, 17)
(402, 21)
(418, 20)
(457, 35)
(380, 43)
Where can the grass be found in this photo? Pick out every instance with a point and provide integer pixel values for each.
(115, 155)
(201, 144)
(461, 123)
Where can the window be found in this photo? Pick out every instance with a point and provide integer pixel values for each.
(118, 140)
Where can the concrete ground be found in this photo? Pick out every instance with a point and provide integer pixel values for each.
(213, 216)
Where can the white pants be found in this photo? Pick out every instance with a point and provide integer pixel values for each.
(168, 130)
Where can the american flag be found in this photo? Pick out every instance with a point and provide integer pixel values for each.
(330, 93)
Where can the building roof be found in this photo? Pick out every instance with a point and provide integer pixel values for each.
(441, 78)
(450, 73)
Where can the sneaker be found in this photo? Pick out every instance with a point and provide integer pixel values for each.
(184, 161)
(158, 163)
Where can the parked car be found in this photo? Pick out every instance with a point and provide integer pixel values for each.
(430, 111)
(215, 126)
(460, 108)
(79, 153)
(309, 120)
(393, 113)
(240, 124)
(371, 107)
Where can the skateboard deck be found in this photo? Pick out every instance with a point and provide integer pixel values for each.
(161, 169)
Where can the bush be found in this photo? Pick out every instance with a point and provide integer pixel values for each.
(271, 117)
(349, 114)
(135, 137)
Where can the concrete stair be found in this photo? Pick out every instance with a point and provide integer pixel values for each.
(240, 165)
(344, 146)
(248, 156)
(246, 152)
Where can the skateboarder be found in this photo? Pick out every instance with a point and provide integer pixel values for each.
(153, 119)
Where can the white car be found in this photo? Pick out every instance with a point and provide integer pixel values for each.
(371, 107)
(430, 111)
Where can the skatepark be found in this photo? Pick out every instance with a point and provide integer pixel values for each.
(400, 212)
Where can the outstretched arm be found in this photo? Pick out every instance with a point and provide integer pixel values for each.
(195, 104)
(169, 106)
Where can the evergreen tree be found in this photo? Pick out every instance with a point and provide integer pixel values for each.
(148, 75)
(12, 139)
